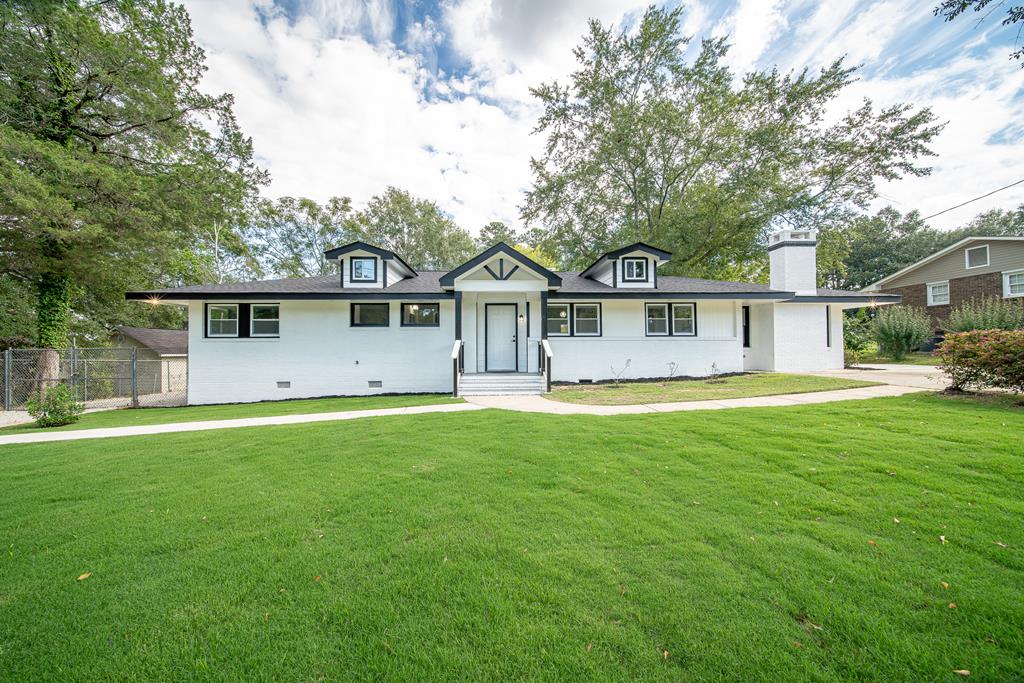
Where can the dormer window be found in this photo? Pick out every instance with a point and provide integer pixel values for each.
(363, 269)
(634, 270)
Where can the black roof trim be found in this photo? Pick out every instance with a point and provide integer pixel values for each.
(283, 296)
(636, 246)
(793, 243)
(334, 253)
(662, 294)
(448, 279)
(845, 299)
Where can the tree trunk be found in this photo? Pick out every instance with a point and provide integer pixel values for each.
(53, 313)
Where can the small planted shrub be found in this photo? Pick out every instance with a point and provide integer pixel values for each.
(984, 358)
(54, 407)
(857, 331)
(900, 329)
(988, 313)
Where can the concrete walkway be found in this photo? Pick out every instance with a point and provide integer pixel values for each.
(74, 434)
(539, 404)
(897, 380)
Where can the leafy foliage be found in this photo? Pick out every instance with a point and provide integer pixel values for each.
(984, 358)
(900, 329)
(642, 145)
(291, 234)
(986, 313)
(951, 9)
(54, 406)
(109, 152)
(417, 229)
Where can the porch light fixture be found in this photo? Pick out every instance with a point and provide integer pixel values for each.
(522, 318)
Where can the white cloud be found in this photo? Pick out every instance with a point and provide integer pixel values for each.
(752, 27)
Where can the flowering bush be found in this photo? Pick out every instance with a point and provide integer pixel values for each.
(54, 407)
(984, 358)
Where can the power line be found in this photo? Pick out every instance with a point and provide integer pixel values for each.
(989, 194)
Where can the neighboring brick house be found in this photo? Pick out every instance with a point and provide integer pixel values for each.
(972, 268)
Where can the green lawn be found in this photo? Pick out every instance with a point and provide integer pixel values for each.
(915, 358)
(748, 545)
(739, 386)
(127, 417)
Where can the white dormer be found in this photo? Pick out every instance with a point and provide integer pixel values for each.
(365, 266)
(793, 261)
(635, 266)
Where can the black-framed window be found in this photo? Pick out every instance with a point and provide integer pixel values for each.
(222, 320)
(746, 327)
(828, 326)
(684, 320)
(558, 320)
(657, 319)
(362, 269)
(421, 315)
(371, 315)
(265, 320)
(586, 320)
(634, 270)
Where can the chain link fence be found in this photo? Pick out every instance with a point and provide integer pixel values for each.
(98, 377)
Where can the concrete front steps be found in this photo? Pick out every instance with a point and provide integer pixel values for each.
(502, 384)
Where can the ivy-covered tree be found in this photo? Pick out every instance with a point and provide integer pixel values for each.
(643, 144)
(111, 159)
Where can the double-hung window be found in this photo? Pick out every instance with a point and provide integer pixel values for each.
(558, 320)
(363, 269)
(938, 293)
(222, 320)
(264, 320)
(976, 257)
(657, 320)
(1013, 283)
(371, 315)
(684, 320)
(586, 320)
(634, 270)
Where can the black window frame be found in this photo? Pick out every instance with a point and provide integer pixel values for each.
(206, 321)
(600, 319)
(352, 314)
(828, 326)
(352, 269)
(636, 259)
(568, 319)
(672, 318)
(252, 320)
(746, 327)
(404, 305)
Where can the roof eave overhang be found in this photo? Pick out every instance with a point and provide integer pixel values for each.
(337, 252)
(866, 299)
(660, 294)
(163, 297)
(660, 254)
(448, 279)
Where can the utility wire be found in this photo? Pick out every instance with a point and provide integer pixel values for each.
(989, 194)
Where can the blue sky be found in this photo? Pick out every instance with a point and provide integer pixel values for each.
(346, 97)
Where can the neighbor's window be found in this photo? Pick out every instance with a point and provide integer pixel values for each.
(558, 319)
(634, 270)
(421, 315)
(364, 270)
(222, 320)
(684, 319)
(1013, 284)
(657, 319)
(265, 320)
(371, 315)
(586, 319)
(977, 257)
(938, 293)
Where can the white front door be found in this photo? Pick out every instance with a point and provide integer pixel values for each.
(501, 338)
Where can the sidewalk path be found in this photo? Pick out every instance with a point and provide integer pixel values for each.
(539, 404)
(71, 435)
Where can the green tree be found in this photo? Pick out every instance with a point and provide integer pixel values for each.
(951, 9)
(495, 232)
(643, 145)
(110, 156)
(289, 235)
(416, 229)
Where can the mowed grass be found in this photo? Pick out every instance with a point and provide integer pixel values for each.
(737, 386)
(914, 358)
(746, 545)
(149, 416)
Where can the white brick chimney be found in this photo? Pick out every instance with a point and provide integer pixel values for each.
(793, 263)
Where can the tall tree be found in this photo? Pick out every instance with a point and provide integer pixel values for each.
(417, 229)
(952, 9)
(289, 235)
(643, 145)
(495, 232)
(110, 156)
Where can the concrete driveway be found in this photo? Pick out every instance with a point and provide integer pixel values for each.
(919, 376)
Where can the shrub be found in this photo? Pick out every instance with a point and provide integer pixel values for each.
(988, 313)
(981, 358)
(857, 332)
(900, 329)
(54, 407)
